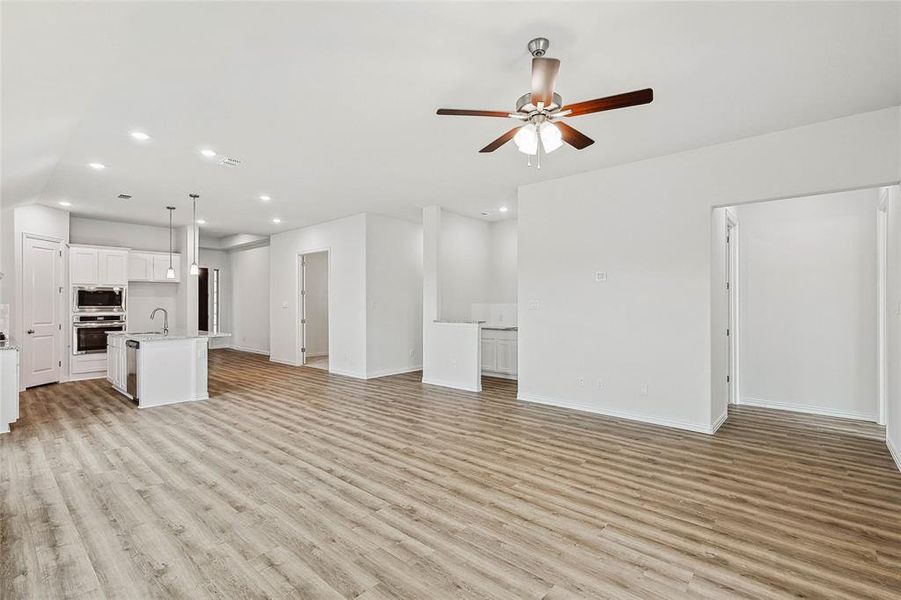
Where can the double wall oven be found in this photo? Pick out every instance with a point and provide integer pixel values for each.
(96, 311)
(89, 332)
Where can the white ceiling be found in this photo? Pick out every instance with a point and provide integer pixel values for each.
(331, 106)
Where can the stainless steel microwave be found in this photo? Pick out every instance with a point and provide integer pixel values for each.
(99, 299)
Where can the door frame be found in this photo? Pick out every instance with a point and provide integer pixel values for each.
(882, 321)
(732, 300)
(300, 330)
(61, 304)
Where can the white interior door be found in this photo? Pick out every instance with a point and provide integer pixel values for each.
(732, 313)
(41, 293)
(302, 304)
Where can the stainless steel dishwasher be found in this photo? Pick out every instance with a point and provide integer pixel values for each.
(132, 348)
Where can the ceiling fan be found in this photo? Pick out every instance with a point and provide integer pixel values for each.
(542, 110)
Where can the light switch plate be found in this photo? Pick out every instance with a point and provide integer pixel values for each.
(534, 304)
(600, 276)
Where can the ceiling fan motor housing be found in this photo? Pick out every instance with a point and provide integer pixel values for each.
(538, 47)
(524, 104)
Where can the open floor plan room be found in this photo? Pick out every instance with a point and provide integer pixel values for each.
(450, 300)
(289, 484)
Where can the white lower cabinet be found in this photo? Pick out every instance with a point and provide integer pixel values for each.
(9, 387)
(116, 370)
(499, 352)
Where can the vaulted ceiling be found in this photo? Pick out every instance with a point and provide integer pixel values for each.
(331, 106)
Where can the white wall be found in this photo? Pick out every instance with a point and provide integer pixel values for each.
(345, 239)
(250, 288)
(648, 225)
(316, 304)
(464, 265)
(99, 232)
(476, 265)
(807, 272)
(37, 220)
(393, 296)
(503, 261)
(143, 297)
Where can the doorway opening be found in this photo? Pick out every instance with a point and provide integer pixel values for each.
(799, 305)
(208, 300)
(313, 309)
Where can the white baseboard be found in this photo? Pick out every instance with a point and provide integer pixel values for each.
(290, 363)
(344, 373)
(810, 410)
(451, 384)
(389, 372)
(719, 421)
(894, 451)
(619, 414)
(245, 349)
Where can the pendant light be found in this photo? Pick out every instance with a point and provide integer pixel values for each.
(195, 270)
(170, 272)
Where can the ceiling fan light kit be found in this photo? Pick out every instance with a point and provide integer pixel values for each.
(542, 110)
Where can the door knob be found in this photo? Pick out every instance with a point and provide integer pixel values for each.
(30, 331)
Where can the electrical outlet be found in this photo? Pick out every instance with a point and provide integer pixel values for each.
(411, 352)
(581, 381)
(600, 276)
(643, 390)
(600, 384)
(534, 304)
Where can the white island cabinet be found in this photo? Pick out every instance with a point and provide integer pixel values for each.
(9, 384)
(154, 369)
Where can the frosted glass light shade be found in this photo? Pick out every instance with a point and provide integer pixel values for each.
(195, 270)
(170, 273)
(551, 138)
(526, 139)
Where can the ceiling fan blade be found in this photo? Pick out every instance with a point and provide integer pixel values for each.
(610, 102)
(500, 141)
(458, 112)
(544, 78)
(574, 138)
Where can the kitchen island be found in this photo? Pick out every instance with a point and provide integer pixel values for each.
(154, 369)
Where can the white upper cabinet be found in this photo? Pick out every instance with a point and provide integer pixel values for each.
(84, 266)
(113, 267)
(152, 266)
(140, 266)
(90, 265)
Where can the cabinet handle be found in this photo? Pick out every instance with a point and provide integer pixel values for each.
(30, 331)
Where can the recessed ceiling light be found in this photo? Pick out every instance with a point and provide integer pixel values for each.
(276, 220)
(208, 153)
(65, 203)
(98, 166)
(265, 198)
(503, 209)
(201, 222)
(140, 136)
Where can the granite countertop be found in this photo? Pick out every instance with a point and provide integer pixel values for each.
(501, 327)
(9, 344)
(156, 336)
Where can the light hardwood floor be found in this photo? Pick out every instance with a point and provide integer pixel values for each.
(294, 483)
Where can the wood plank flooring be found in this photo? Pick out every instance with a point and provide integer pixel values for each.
(294, 483)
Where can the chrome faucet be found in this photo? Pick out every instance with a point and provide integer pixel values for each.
(165, 319)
